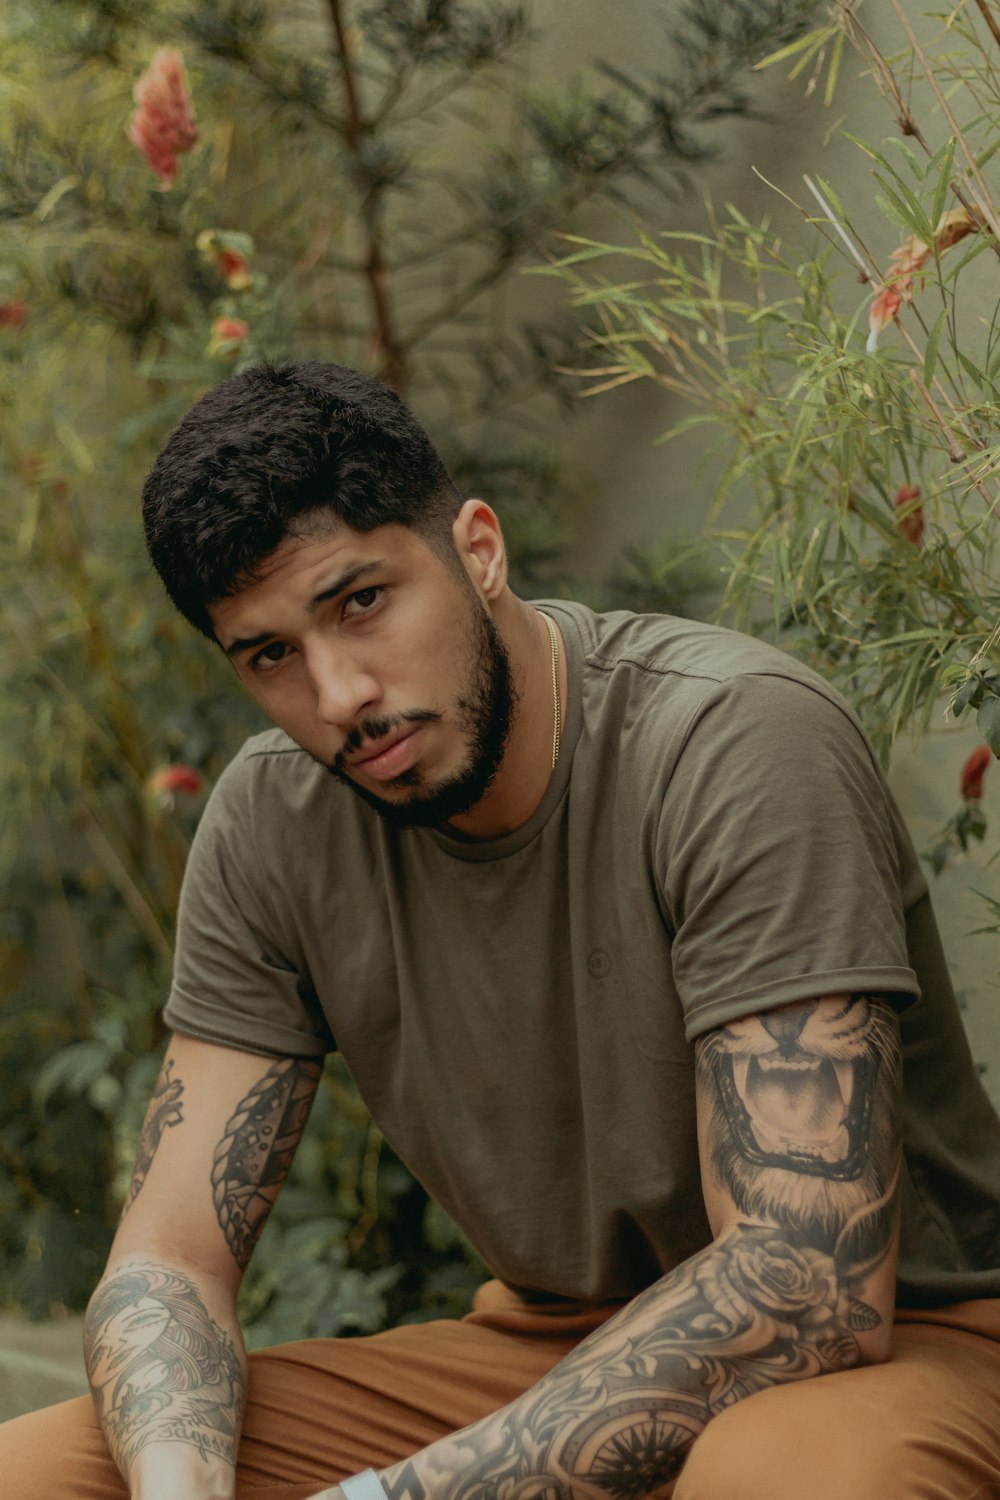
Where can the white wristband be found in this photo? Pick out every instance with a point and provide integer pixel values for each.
(364, 1486)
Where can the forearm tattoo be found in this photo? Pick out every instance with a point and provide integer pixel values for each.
(165, 1110)
(253, 1157)
(801, 1107)
(160, 1368)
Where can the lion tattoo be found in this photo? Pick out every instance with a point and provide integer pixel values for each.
(802, 1130)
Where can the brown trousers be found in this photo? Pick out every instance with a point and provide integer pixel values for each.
(925, 1426)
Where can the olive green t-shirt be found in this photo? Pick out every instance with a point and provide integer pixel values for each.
(518, 1013)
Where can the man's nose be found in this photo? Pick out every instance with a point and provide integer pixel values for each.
(346, 690)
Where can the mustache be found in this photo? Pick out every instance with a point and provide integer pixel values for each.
(376, 729)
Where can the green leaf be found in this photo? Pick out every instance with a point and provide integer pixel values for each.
(915, 164)
(938, 857)
(836, 54)
(925, 633)
(907, 205)
(947, 155)
(978, 376)
(969, 695)
(988, 722)
(810, 44)
(933, 340)
(75, 1068)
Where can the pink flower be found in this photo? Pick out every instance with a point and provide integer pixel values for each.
(163, 124)
(910, 517)
(973, 772)
(228, 337)
(906, 262)
(166, 780)
(13, 314)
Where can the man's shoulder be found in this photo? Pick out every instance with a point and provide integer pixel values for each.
(673, 658)
(272, 786)
(275, 745)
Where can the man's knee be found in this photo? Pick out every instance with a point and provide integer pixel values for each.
(58, 1452)
(808, 1442)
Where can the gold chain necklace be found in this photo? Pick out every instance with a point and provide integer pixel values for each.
(556, 703)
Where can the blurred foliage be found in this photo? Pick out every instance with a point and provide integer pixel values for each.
(363, 183)
(856, 427)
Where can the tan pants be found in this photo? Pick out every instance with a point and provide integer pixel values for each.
(925, 1426)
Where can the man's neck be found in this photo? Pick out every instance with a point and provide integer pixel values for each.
(526, 768)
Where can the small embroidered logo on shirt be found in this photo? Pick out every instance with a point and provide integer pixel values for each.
(599, 964)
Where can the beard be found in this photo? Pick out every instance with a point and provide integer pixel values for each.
(485, 712)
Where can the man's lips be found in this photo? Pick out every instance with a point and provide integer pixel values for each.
(389, 756)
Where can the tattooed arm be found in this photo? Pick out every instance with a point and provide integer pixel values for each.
(162, 1343)
(799, 1142)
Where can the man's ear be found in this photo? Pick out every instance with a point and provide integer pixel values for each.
(479, 543)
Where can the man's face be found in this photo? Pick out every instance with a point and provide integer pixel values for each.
(382, 662)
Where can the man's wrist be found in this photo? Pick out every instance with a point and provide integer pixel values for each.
(365, 1485)
(163, 1473)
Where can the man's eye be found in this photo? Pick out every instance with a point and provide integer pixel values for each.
(271, 656)
(356, 604)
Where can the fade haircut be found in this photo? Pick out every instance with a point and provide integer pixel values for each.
(263, 455)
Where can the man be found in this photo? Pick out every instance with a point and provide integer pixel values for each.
(618, 930)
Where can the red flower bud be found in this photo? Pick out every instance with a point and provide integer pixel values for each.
(231, 262)
(910, 517)
(163, 124)
(166, 780)
(235, 270)
(973, 772)
(906, 262)
(13, 314)
(228, 337)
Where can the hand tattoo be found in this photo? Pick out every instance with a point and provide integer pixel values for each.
(160, 1368)
(165, 1110)
(254, 1155)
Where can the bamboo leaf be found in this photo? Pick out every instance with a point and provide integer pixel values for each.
(933, 341)
(836, 53)
(941, 192)
(988, 722)
(810, 44)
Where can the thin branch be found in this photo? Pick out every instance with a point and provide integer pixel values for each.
(904, 118)
(955, 453)
(368, 1187)
(134, 900)
(884, 75)
(838, 228)
(990, 19)
(356, 128)
(986, 205)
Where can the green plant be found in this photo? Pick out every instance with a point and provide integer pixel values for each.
(855, 430)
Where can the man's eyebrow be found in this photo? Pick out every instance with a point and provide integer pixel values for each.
(337, 586)
(344, 582)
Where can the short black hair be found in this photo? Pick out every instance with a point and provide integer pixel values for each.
(274, 444)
